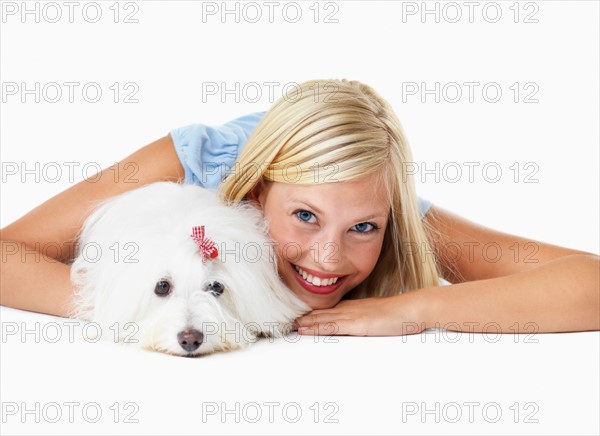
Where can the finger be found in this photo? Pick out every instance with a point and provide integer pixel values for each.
(312, 318)
(318, 329)
(319, 311)
(337, 327)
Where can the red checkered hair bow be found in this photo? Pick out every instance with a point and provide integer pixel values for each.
(208, 247)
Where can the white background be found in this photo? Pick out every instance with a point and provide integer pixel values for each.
(173, 49)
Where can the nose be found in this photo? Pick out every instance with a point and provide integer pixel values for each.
(329, 252)
(190, 339)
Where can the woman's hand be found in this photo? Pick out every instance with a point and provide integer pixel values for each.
(384, 316)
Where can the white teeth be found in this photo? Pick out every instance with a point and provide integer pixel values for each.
(317, 281)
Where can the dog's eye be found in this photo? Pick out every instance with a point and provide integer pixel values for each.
(162, 288)
(215, 288)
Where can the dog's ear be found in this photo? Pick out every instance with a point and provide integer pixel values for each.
(262, 299)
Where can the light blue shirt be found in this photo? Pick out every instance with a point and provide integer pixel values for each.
(208, 154)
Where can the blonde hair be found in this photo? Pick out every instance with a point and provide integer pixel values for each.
(347, 126)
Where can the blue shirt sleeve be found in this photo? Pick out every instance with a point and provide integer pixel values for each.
(207, 153)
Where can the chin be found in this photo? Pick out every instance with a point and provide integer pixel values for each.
(138, 268)
(319, 301)
(323, 304)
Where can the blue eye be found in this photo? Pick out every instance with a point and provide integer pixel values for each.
(304, 215)
(362, 227)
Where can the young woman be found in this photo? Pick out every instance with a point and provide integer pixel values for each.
(327, 167)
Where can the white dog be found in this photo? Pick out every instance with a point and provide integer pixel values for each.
(144, 266)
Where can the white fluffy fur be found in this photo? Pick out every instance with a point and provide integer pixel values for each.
(133, 240)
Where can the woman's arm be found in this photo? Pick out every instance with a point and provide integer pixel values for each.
(518, 284)
(562, 295)
(505, 283)
(36, 247)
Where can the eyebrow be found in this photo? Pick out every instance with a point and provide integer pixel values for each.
(319, 211)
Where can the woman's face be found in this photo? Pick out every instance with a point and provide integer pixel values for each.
(328, 230)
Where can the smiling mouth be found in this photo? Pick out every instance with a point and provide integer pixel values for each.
(318, 287)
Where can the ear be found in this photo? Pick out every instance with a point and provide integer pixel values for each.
(254, 195)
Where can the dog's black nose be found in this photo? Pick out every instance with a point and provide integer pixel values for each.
(190, 339)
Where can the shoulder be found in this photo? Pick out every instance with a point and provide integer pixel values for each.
(207, 152)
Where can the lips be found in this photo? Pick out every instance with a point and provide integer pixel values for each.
(314, 289)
